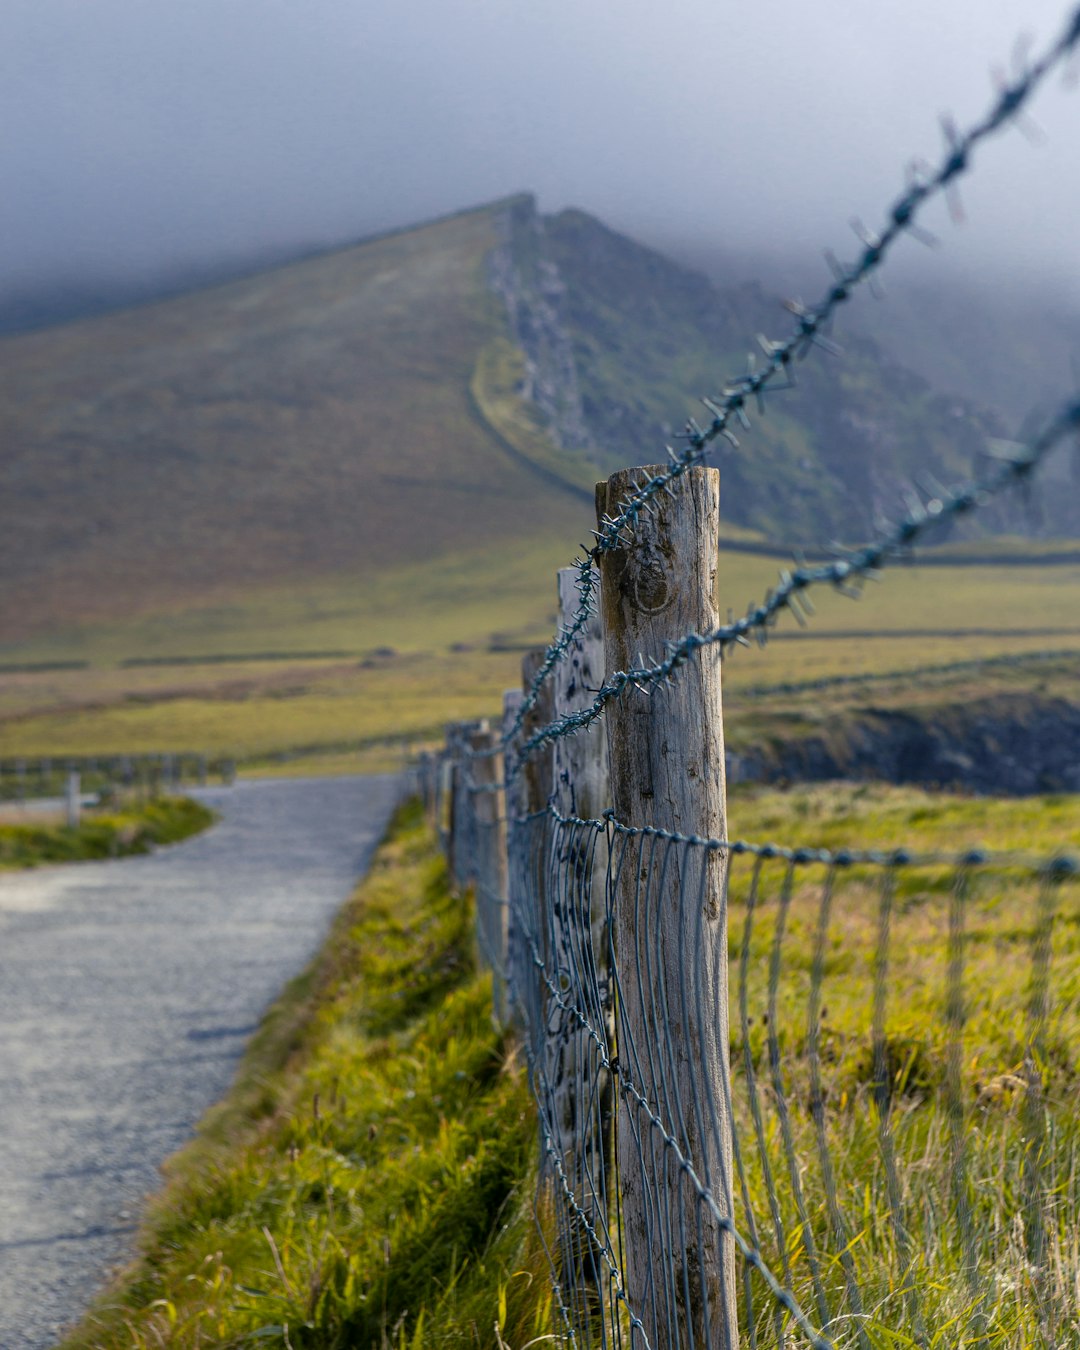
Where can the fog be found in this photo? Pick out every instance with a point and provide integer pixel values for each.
(143, 141)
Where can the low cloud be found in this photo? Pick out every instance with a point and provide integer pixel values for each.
(144, 141)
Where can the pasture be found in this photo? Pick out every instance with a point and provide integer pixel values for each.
(338, 667)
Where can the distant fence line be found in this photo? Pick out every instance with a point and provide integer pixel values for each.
(29, 776)
(23, 776)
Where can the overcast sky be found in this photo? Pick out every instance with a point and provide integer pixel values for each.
(142, 137)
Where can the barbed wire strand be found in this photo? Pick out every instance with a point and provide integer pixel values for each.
(845, 574)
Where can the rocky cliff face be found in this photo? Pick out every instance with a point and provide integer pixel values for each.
(1010, 745)
(528, 283)
(620, 343)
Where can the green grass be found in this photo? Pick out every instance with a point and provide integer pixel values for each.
(925, 1075)
(881, 816)
(368, 1180)
(107, 834)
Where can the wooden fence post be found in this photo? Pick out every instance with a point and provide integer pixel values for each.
(580, 762)
(537, 770)
(581, 1085)
(444, 798)
(73, 799)
(460, 851)
(489, 815)
(454, 782)
(515, 851)
(425, 780)
(667, 770)
(582, 788)
(532, 849)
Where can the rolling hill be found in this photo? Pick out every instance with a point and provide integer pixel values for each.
(451, 387)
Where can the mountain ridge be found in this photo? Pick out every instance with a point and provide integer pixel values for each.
(367, 407)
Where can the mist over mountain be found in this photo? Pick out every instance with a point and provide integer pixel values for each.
(1008, 342)
(83, 295)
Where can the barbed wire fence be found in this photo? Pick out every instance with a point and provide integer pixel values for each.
(787, 1096)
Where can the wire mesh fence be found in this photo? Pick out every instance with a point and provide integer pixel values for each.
(884, 1149)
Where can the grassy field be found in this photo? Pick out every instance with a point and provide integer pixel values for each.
(312, 422)
(115, 833)
(367, 1181)
(441, 642)
(952, 1131)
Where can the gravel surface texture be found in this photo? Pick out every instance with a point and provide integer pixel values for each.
(128, 990)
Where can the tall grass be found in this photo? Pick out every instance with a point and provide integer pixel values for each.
(917, 1036)
(371, 1179)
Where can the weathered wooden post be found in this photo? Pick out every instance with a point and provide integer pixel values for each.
(536, 786)
(461, 840)
(73, 799)
(667, 770)
(423, 780)
(581, 1084)
(537, 768)
(582, 786)
(444, 797)
(489, 815)
(455, 814)
(432, 770)
(515, 849)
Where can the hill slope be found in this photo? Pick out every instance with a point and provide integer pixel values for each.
(313, 420)
(453, 386)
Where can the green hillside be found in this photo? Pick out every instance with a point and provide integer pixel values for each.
(311, 421)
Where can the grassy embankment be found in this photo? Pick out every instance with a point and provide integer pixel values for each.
(115, 833)
(437, 643)
(369, 1180)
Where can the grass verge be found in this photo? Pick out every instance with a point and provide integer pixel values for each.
(116, 834)
(367, 1182)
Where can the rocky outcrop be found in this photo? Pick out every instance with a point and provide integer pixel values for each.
(533, 293)
(1005, 746)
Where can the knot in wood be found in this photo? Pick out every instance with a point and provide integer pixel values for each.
(652, 591)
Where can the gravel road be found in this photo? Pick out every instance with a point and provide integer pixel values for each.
(127, 992)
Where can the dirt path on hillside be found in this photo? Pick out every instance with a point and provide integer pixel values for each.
(127, 992)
